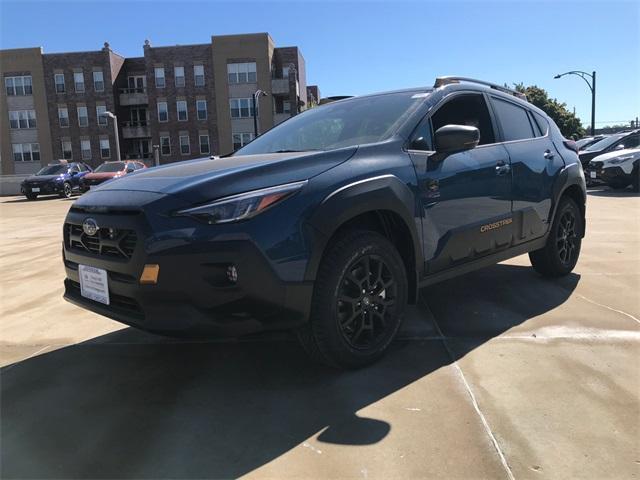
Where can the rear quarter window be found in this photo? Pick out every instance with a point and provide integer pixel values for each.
(513, 119)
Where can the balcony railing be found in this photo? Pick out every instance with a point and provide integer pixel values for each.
(133, 96)
(135, 130)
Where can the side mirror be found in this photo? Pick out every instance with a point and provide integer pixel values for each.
(456, 138)
(419, 143)
(619, 147)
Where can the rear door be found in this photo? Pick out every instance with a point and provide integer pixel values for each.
(535, 163)
(465, 198)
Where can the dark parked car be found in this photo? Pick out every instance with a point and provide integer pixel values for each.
(330, 222)
(109, 171)
(60, 179)
(585, 142)
(617, 141)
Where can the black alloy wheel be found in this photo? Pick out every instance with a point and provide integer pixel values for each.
(566, 237)
(366, 301)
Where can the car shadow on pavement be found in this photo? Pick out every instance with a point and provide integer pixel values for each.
(128, 404)
(26, 200)
(610, 192)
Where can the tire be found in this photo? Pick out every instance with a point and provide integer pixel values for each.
(31, 196)
(67, 190)
(359, 300)
(635, 180)
(562, 250)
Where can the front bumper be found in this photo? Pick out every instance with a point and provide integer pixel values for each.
(46, 188)
(193, 296)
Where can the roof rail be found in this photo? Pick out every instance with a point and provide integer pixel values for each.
(441, 81)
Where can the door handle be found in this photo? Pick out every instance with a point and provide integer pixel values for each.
(548, 154)
(502, 167)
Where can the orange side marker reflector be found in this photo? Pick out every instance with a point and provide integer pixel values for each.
(150, 274)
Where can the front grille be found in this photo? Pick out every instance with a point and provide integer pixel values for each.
(120, 303)
(595, 165)
(108, 242)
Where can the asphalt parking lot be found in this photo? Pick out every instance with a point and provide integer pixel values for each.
(498, 374)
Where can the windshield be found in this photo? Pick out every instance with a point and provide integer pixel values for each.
(583, 141)
(604, 143)
(340, 124)
(110, 167)
(53, 170)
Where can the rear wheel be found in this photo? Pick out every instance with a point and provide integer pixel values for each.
(358, 301)
(560, 254)
(31, 196)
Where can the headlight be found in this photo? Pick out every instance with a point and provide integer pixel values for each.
(242, 206)
(616, 161)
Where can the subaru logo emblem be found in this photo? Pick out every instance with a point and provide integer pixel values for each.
(90, 227)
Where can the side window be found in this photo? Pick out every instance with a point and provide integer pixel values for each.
(534, 124)
(632, 141)
(513, 119)
(468, 109)
(542, 123)
(421, 138)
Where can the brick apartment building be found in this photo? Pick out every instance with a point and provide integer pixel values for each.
(189, 100)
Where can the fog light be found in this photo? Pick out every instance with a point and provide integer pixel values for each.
(232, 273)
(150, 274)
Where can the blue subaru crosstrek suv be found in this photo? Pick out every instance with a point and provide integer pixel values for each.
(329, 223)
(57, 179)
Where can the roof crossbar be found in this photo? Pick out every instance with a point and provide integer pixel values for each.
(441, 81)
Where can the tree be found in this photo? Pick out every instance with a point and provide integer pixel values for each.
(567, 122)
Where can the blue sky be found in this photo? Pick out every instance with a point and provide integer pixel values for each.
(360, 47)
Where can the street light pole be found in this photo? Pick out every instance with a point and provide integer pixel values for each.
(115, 127)
(592, 87)
(256, 95)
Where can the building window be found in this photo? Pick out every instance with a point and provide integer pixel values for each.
(159, 73)
(98, 81)
(59, 79)
(18, 85)
(101, 112)
(85, 149)
(105, 149)
(181, 106)
(26, 152)
(201, 107)
(286, 107)
(204, 144)
(67, 153)
(198, 75)
(185, 148)
(241, 139)
(83, 117)
(241, 72)
(78, 81)
(163, 112)
(63, 116)
(241, 107)
(22, 119)
(179, 76)
(285, 72)
(165, 145)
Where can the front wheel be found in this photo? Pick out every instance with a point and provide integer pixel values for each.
(31, 196)
(358, 303)
(560, 254)
(67, 190)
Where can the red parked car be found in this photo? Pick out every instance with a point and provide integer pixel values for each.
(107, 171)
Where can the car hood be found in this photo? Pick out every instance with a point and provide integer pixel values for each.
(605, 157)
(206, 179)
(42, 178)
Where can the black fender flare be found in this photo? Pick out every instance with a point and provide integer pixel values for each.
(380, 193)
(570, 176)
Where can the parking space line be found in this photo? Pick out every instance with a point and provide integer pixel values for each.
(608, 307)
(474, 402)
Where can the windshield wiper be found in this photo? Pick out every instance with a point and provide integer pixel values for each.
(295, 151)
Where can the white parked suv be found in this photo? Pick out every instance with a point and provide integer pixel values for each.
(617, 169)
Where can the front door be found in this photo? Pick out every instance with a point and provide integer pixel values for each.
(465, 198)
